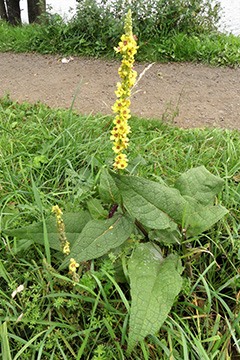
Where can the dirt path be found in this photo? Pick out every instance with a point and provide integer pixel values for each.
(203, 95)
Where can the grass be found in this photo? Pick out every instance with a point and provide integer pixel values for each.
(54, 156)
(212, 48)
(57, 154)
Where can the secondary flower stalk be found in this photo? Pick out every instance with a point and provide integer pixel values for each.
(64, 244)
(119, 134)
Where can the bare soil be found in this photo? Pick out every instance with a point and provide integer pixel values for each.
(189, 95)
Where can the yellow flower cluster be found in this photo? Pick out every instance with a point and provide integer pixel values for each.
(73, 270)
(128, 48)
(64, 244)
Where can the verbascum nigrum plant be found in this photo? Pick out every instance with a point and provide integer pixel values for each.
(119, 134)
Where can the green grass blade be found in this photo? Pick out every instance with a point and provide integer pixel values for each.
(184, 345)
(45, 236)
(20, 352)
(43, 341)
(6, 354)
(119, 290)
(37, 197)
(61, 350)
(82, 348)
(236, 341)
(71, 108)
(3, 272)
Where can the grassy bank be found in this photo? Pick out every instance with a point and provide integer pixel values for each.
(60, 154)
(213, 48)
(161, 242)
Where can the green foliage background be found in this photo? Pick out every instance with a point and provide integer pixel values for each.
(52, 156)
(204, 316)
(179, 30)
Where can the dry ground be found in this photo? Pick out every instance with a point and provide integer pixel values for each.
(200, 94)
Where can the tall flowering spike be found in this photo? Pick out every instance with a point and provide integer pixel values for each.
(64, 244)
(119, 134)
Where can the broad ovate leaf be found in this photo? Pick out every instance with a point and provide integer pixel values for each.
(190, 204)
(96, 209)
(153, 205)
(199, 188)
(155, 282)
(165, 237)
(108, 190)
(74, 223)
(100, 236)
(199, 184)
(201, 218)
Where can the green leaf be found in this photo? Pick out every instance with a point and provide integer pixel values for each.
(201, 218)
(199, 188)
(39, 160)
(44, 226)
(155, 282)
(37, 197)
(6, 353)
(133, 164)
(3, 272)
(96, 209)
(153, 205)
(108, 190)
(165, 237)
(199, 184)
(74, 223)
(100, 236)
(159, 207)
(21, 245)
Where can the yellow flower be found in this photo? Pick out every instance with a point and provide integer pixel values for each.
(128, 48)
(57, 210)
(73, 266)
(120, 161)
(128, 62)
(117, 148)
(66, 248)
(120, 145)
(73, 270)
(123, 129)
(120, 105)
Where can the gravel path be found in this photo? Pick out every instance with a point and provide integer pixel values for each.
(190, 95)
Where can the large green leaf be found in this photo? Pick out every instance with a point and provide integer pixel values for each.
(201, 218)
(155, 282)
(199, 188)
(74, 223)
(154, 205)
(96, 209)
(158, 207)
(165, 237)
(100, 236)
(199, 184)
(108, 190)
